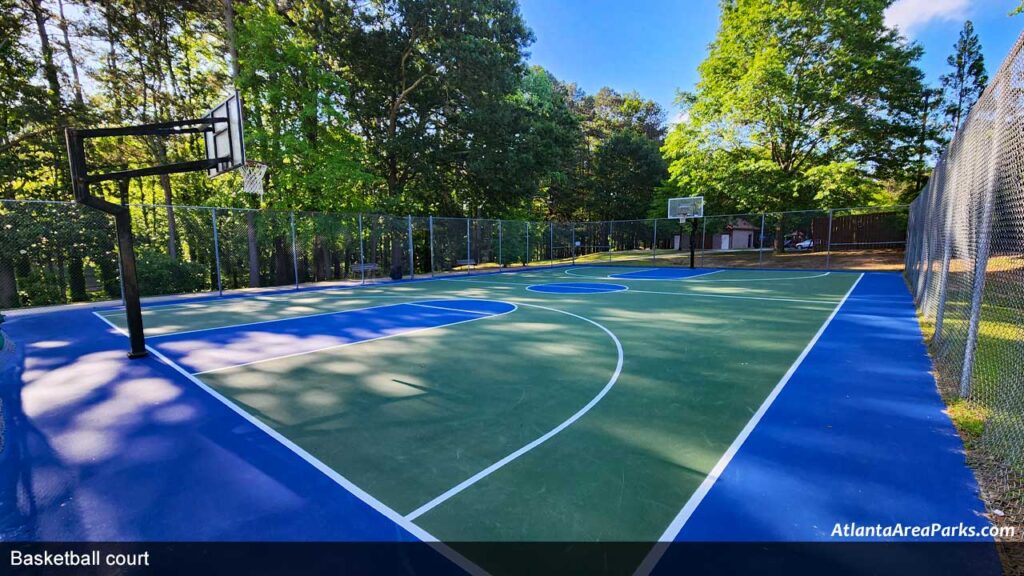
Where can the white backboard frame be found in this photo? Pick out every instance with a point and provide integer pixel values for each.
(224, 142)
(684, 208)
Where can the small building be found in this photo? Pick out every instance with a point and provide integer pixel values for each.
(739, 234)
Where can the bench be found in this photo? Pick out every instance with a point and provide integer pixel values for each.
(467, 262)
(363, 268)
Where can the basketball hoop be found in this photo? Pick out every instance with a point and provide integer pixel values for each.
(252, 177)
(684, 209)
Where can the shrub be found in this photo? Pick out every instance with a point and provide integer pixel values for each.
(161, 274)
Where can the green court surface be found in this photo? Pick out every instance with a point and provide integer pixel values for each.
(574, 417)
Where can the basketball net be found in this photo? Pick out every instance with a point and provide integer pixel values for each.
(252, 178)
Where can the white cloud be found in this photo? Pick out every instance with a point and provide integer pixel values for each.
(909, 15)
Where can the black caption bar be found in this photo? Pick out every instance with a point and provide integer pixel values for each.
(336, 559)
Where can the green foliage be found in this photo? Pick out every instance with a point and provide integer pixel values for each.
(162, 274)
(628, 168)
(796, 99)
(430, 95)
(294, 96)
(23, 103)
(41, 288)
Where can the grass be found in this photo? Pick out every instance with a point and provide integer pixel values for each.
(990, 420)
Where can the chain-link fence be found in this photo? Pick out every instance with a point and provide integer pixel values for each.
(965, 264)
(57, 252)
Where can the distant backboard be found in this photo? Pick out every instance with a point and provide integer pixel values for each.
(224, 142)
(684, 208)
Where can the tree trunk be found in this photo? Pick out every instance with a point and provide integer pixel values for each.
(76, 277)
(396, 258)
(282, 263)
(165, 185)
(79, 100)
(172, 225)
(230, 38)
(8, 285)
(254, 255)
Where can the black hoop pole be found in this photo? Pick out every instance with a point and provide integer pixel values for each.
(693, 242)
(132, 299)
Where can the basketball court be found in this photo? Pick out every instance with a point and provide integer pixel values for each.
(574, 404)
(571, 404)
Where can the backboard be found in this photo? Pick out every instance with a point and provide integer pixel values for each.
(224, 142)
(684, 208)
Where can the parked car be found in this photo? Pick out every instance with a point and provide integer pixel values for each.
(805, 245)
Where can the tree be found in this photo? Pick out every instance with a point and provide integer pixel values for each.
(799, 104)
(429, 81)
(628, 168)
(542, 139)
(963, 85)
(612, 123)
(20, 118)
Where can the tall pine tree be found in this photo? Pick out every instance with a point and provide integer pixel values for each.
(963, 85)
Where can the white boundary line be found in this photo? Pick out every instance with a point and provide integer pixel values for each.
(450, 309)
(626, 275)
(347, 344)
(203, 304)
(689, 278)
(709, 481)
(729, 296)
(585, 290)
(326, 470)
(286, 318)
(501, 463)
(485, 282)
(635, 291)
(763, 279)
(619, 275)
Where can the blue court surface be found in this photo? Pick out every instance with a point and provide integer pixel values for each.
(577, 405)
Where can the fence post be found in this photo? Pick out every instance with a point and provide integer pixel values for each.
(469, 253)
(980, 264)
(216, 252)
(654, 245)
(551, 243)
(608, 240)
(120, 279)
(362, 261)
(828, 243)
(295, 250)
(501, 256)
(760, 249)
(527, 262)
(940, 306)
(703, 238)
(412, 257)
(943, 276)
(430, 224)
(572, 241)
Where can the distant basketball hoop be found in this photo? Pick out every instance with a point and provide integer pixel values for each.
(683, 209)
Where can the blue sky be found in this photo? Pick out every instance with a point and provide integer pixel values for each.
(654, 46)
